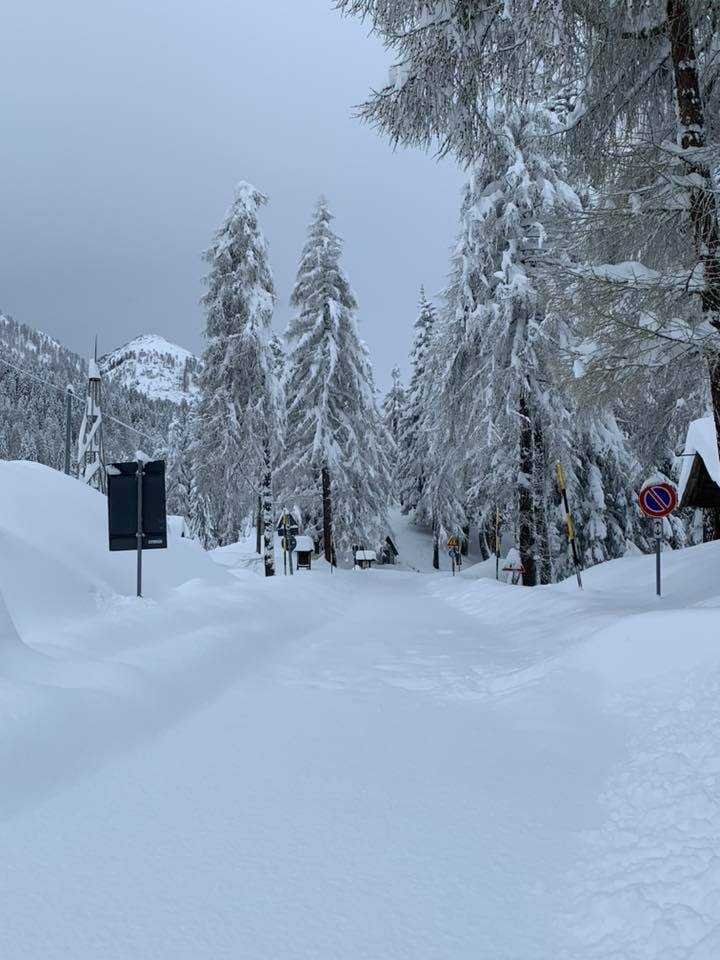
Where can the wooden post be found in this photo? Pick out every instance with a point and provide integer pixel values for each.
(526, 514)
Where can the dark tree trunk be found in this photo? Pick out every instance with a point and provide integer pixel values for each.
(526, 531)
(436, 549)
(465, 545)
(327, 516)
(703, 202)
(483, 541)
(540, 505)
(267, 518)
(258, 527)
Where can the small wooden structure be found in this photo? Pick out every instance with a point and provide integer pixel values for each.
(304, 552)
(700, 477)
(390, 552)
(364, 559)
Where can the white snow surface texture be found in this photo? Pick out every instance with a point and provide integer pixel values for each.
(374, 764)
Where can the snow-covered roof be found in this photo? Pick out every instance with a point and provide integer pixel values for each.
(365, 555)
(701, 440)
(304, 543)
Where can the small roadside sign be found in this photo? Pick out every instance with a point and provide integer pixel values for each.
(657, 501)
(287, 523)
(290, 544)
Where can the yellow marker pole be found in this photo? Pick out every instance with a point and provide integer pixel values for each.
(569, 525)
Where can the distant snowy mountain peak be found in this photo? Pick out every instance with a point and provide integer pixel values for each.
(154, 367)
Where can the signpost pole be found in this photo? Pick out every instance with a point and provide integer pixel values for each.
(569, 525)
(139, 534)
(284, 544)
(288, 551)
(658, 500)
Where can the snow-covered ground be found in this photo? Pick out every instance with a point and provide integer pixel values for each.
(359, 765)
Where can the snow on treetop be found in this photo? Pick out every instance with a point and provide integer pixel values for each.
(248, 195)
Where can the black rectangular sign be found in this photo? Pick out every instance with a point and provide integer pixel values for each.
(123, 506)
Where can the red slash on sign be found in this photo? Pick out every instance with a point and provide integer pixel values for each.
(658, 500)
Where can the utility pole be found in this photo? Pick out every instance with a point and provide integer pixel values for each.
(91, 453)
(69, 397)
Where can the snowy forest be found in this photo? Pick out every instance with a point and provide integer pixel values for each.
(579, 324)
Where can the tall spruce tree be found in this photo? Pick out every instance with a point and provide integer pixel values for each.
(336, 467)
(500, 400)
(414, 449)
(240, 409)
(393, 412)
(181, 488)
(394, 406)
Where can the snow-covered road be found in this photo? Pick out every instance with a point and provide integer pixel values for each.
(351, 797)
(368, 766)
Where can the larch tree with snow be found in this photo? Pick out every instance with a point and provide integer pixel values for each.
(336, 454)
(240, 412)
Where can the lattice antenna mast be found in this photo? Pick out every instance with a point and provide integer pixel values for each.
(91, 453)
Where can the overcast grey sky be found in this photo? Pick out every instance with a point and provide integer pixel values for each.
(127, 123)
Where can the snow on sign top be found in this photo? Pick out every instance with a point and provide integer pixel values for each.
(304, 544)
(365, 555)
(701, 440)
(658, 500)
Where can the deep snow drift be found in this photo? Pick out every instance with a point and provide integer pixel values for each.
(364, 765)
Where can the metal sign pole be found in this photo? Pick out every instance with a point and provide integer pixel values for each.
(284, 546)
(658, 500)
(139, 526)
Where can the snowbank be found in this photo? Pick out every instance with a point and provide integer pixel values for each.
(55, 563)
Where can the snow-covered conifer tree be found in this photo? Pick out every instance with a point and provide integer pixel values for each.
(240, 409)
(413, 455)
(394, 406)
(180, 479)
(497, 347)
(335, 458)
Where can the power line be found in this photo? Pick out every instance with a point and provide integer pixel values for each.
(54, 386)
